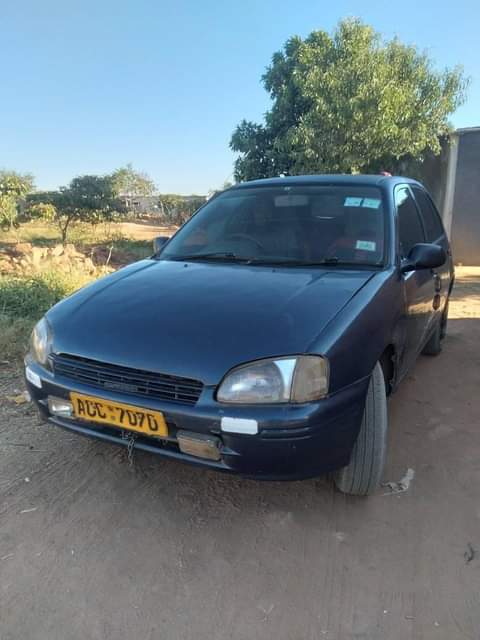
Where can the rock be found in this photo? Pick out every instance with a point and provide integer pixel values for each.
(70, 250)
(88, 263)
(6, 266)
(23, 248)
(38, 253)
(62, 260)
(57, 250)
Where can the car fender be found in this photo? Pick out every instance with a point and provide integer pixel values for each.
(357, 337)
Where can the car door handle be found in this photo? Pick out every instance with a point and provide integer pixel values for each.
(437, 281)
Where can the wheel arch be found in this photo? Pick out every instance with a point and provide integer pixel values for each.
(388, 362)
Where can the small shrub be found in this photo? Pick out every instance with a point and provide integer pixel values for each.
(14, 336)
(32, 296)
(24, 300)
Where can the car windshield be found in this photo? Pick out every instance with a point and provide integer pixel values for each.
(293, 225)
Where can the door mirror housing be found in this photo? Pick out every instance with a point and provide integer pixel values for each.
(424, 256)
(159, 242)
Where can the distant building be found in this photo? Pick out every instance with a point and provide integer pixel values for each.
(141, 204)
(153, 204)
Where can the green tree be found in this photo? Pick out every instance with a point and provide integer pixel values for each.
(178, 209)
(8, 211)
(88, 198)
(128, 184)
(13, 189)
(348, 103)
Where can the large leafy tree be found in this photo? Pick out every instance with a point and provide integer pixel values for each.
(88, 198)
(129, 183)
(348, 102)
(13, 189)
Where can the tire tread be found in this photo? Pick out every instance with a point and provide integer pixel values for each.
(362, 476)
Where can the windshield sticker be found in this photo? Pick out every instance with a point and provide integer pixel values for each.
(371, 203)
(353, 202)
(366, 245)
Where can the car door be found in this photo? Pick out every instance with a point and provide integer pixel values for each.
(418, 286)
(435, 233)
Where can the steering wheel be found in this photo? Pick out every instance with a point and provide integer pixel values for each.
(245, 236)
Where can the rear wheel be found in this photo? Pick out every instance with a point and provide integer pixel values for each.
(443, 329)
(364, 472)
(434, 344)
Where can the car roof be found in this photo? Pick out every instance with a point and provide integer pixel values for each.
(363, 179)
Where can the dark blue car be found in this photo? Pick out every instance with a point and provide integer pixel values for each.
(264, 337)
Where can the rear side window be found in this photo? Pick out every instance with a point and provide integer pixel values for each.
(409, 223)
(431, 219)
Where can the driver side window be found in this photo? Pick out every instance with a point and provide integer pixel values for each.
(410, 227)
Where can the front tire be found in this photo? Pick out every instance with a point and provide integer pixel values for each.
(364, 472)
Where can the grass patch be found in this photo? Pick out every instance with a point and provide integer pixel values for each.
(46, 234)
(25, 297)
(14, 337)
(84, 237)
(24, 300)
(137, 249)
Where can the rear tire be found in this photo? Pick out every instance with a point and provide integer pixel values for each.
(434, 344)
(443, 329)
(364, 472)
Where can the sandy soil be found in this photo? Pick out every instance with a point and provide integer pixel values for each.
(92, 548)
(143, 230)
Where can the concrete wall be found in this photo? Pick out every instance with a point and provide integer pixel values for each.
(434, 175)
(465, 234)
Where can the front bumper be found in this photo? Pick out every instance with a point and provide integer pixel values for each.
(293, 441)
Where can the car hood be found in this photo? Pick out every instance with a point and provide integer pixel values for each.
(199, 320)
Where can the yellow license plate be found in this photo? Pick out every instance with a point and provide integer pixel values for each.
(126, 416)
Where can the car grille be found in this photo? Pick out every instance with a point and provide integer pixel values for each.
(131, 381)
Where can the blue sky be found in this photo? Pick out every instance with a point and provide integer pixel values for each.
(88, 86)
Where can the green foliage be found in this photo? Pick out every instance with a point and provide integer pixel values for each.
(347, 103)
(88, 198)
(13, 189)
(31, 296)
(132, 249)
(8, 210)
(41, 211)
(14, 334)
(177, 209)
(24, 300)
(130, 183)
(16, 184)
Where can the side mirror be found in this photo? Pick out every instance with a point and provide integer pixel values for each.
(159, 242)
(424, 256)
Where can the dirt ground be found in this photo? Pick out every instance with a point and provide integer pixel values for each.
(92, 548)
(143, 230)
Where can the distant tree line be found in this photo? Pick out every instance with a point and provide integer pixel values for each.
(91, 199)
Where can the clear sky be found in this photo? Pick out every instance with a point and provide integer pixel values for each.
(88, 86)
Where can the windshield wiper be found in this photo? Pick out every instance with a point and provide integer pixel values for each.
(226, 256)
(294, 262)
(215, 255)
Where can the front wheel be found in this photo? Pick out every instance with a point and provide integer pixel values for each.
(364, 472)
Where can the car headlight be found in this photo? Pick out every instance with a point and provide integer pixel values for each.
(41, 342)
(276, 380)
